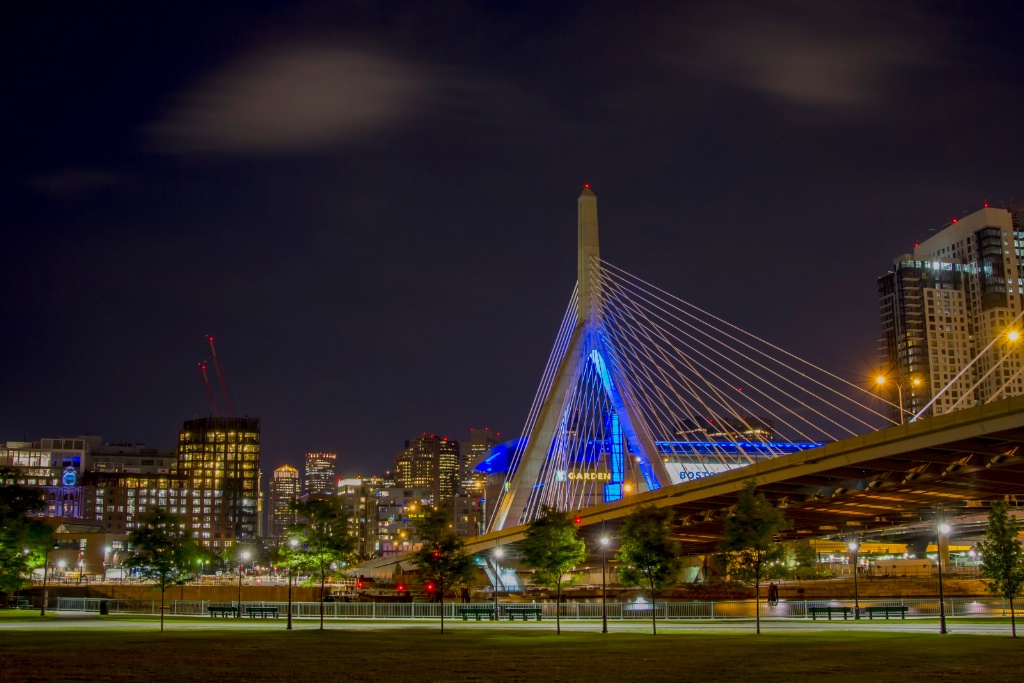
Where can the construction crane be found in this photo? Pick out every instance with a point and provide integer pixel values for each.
(220, 377)
(209, 389)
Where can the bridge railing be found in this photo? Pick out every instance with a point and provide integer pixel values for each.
(738, 609)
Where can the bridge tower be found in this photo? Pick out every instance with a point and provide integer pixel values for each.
(630, 443)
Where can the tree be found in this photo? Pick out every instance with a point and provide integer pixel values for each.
(162, 552)
(749, 541)
(805, 557)
(553, 548)
(24, 541)
(442, 559)
(324, 543)
(648, 555)
(1002, 557)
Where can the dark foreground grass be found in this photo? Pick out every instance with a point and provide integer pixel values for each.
(415, 654)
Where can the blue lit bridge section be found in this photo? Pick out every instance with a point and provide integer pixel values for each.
(643, 390)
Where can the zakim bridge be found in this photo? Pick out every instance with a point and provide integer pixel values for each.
(649, 400)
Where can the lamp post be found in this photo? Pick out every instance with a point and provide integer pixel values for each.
(604, 584)
(245, 557)
(943, 529)
(498, 553)
(46, 566)
(882, 380)
(853, 546)
(294, 543)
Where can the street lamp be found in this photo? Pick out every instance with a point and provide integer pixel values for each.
(245, 558)
(943, 529)
(853, 546)
(882, 380)
(498, 553)
(46, 565)
(294, 543)
(604, 584)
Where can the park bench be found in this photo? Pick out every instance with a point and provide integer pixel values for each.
(815, 611)
(19, 604)
(524, 612)
(262, 611)
(465, 612)
(901, 610)
(223, 610)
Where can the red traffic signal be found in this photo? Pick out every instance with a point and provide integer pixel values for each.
(401, 587)
(430, 588)
(359, 584)
(437, 554)
(578, 520)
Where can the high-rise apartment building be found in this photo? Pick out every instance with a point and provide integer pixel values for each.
(956, 297)
(430, 462)
(475, 451)
(358, 501)
(284, 491)
(320, 474)
(219, 458)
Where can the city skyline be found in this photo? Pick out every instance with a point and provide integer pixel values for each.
(372, 272)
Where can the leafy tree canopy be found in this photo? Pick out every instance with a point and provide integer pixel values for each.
(1002, 557)
(162, 551)
(23, 540)
(553, 548)
(442, 559)
(648, 554)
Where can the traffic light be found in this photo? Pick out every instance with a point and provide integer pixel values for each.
(578, 520)
(430, 587)
(359, 584)
(401, 587)
(437, 554)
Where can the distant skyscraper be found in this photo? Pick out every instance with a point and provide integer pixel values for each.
(960, 291)
(474, 451)
(431, 462)
(284, 491)
(219, 459)
(320, 473)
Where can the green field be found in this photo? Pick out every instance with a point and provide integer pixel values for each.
(136, 651)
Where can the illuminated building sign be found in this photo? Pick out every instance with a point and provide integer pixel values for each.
(70, 477)
(589, 476)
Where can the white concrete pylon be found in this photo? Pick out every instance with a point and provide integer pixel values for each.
(584, 343)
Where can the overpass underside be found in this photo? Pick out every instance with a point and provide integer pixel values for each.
(951, 465)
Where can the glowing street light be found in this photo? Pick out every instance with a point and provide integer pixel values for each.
(294, 543)
(245, 558)
(498, 554)
(943, 529)
(882, 380)
(604, 583)
(853, 546)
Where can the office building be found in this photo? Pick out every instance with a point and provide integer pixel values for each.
(320, 474)
(284, 491)
(358, 502)
(219, 458)
(429, 462)
(55, 465)
(956, 297)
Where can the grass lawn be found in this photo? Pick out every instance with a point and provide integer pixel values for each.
(422, 654)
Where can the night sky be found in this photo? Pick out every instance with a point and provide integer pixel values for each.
(372, 206)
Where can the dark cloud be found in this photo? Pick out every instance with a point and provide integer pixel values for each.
(830, 56)
(306, 98)
(294, 99)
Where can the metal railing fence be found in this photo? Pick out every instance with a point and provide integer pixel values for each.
(738, 609)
